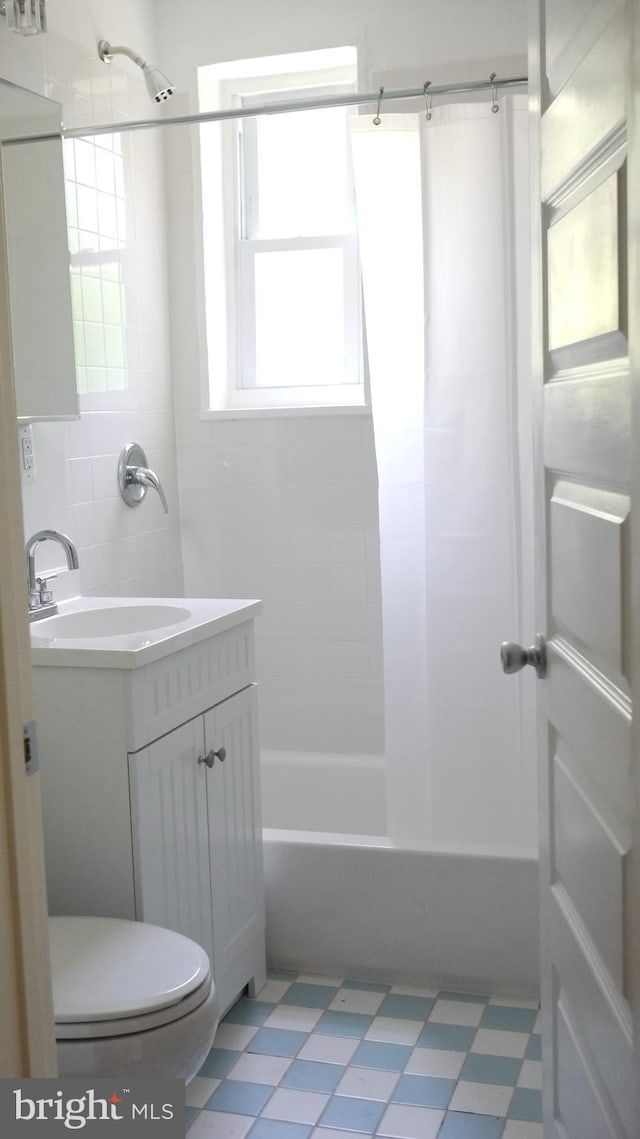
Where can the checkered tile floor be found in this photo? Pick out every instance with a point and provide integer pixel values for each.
(328, 1058)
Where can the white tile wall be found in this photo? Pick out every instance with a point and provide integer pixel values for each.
(259, 521)
(121, 550)
(281, 509)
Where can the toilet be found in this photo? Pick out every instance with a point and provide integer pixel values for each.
(130, 999)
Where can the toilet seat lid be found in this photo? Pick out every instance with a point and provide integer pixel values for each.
(107, 968)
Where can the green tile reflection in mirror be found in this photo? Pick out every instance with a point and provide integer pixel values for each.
(96, 210)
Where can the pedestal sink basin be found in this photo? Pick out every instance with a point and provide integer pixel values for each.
(111, 621)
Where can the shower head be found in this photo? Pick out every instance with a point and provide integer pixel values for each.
(159, 87)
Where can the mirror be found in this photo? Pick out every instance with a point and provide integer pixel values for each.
(37, 255)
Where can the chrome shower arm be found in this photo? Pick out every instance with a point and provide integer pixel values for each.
(106, 52)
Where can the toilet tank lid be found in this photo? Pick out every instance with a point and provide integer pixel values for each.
(107, 968)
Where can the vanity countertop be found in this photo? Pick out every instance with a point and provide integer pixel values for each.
(129, 632)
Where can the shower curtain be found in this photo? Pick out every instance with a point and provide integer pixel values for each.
(442, 209)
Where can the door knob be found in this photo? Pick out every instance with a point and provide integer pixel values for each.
(514, 656)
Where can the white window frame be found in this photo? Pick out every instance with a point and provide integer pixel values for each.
(241, 391)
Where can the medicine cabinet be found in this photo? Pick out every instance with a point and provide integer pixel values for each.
(37, 255)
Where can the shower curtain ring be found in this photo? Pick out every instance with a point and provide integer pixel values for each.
(428, 99)
(377, 120)
(495, 108)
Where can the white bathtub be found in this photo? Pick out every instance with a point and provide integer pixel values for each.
(351, 903)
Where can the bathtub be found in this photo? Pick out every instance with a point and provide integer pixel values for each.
(347, 901)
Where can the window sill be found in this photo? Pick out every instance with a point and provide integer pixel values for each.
(285, 412)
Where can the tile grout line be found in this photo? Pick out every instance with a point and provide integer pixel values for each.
(384, 993)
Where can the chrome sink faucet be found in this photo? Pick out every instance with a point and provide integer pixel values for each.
(41, 603)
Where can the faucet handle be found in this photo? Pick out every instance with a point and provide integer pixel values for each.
(45, 594)
(135, 478)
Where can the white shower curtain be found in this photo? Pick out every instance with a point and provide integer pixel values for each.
(443, 224)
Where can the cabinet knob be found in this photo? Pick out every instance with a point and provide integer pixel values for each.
(211, 757)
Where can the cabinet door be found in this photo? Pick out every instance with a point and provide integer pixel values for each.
(170, 834)
(235, 831)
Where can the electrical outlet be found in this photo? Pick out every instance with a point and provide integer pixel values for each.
(27, 453)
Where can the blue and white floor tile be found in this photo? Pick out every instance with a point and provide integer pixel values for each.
(327, 1058)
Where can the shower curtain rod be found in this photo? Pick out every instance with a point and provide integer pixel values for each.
(373, 97)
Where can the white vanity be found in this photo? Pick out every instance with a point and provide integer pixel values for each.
(148, 745)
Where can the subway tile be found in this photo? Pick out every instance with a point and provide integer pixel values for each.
(306, 433)
(305, 465)
(309, 543)
(345, 430)
(311, 581)
(347, 582)
(81, 480)
(346, 465)
(346, 543)
(351, 504)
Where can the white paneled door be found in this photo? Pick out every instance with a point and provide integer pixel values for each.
(579, 74)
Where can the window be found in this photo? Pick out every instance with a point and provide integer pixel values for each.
(281, 269)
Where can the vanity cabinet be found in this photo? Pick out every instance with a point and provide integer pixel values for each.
(196, 837)
(137, 824)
